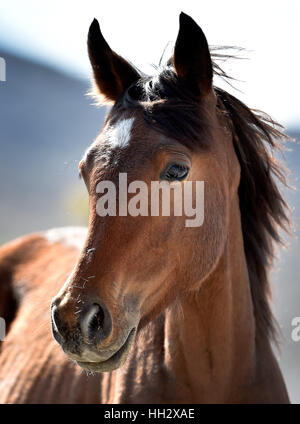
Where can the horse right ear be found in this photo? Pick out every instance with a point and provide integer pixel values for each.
(112, 74)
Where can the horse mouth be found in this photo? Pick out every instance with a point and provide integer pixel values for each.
(115, 361)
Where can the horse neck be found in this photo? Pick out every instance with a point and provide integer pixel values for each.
(210, 335)
(205, 348)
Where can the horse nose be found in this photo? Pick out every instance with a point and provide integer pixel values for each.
(95, 323)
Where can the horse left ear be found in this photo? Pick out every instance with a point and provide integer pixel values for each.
(192, 60)
(112, 74)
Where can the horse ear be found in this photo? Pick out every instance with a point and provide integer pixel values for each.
(112, 73)
(192, 60)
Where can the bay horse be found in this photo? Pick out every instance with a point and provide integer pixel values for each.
(152, 310)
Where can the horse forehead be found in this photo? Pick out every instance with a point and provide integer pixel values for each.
(119, 133)
(114, 137)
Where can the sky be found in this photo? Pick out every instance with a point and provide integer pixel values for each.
(55, 32)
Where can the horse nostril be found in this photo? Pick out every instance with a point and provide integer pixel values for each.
(92, 323)
(97, 320)
(57, 326)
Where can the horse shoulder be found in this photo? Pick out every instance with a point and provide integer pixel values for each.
(33, 369)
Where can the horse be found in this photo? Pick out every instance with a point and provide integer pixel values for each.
(141, 308)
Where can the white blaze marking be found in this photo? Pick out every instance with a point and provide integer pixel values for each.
(117, 136)
(120, 134)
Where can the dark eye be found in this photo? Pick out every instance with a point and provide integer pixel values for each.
(175, 172)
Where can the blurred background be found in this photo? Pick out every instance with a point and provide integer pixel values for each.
(47, 121)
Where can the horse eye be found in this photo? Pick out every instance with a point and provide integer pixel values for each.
(175, 172)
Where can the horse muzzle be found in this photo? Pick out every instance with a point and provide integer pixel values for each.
(87, 336)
